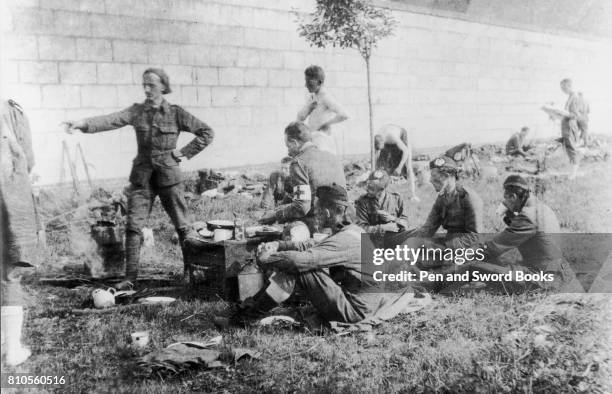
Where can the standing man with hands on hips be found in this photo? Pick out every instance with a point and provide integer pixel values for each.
(155, 170)
(320, 111)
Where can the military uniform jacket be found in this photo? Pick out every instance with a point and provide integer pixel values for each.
(340, 253)
(157, 131)
(533, 231)
(310, 169)
(579, 110)
(460, 214)
(366, 208)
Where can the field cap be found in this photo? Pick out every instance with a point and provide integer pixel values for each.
(379, 178)
(163, 77)
(445, 164)
(517, 181)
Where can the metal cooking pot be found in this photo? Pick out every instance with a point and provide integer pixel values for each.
(213, 225)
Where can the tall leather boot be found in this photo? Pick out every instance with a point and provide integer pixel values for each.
(133, 242)
(257, 306)
(183, 234)
(247, 312)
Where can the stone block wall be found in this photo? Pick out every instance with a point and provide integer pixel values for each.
(238, 65)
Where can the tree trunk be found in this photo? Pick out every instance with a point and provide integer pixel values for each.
(372, 153)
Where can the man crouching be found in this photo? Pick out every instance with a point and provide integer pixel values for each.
(328, 273)
(533, 229)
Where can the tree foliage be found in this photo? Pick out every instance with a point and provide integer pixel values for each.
(346, 24)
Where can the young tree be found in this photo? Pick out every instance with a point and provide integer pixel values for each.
(349, 24)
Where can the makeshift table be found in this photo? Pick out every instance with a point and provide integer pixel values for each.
(228, 265)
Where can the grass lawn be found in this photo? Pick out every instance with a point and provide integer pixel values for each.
(470, 343)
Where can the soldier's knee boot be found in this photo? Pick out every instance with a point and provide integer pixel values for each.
(247, 312)
(133, 241)
(183, 234)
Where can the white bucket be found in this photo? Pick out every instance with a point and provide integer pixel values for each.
(222, 234)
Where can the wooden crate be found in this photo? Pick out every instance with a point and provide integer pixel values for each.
(205, 262)
(219, 264)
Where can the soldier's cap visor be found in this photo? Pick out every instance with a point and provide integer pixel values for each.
(379, 178)
(444, 163)
(516, 180)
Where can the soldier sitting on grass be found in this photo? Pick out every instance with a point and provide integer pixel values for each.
(380, 211)
(458, 209)
(329, 273)
(532, 229)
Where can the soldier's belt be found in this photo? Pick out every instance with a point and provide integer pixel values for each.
(155, 153)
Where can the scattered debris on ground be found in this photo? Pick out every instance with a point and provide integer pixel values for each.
(183, 356)
(213, 184)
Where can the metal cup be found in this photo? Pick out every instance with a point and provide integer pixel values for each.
(140, 339)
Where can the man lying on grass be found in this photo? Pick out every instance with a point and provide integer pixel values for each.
(304, 264)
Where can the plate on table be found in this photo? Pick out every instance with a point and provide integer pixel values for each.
(205, 233)
(269, 231)
(156, 300)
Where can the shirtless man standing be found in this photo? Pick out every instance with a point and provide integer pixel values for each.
(320, 111)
